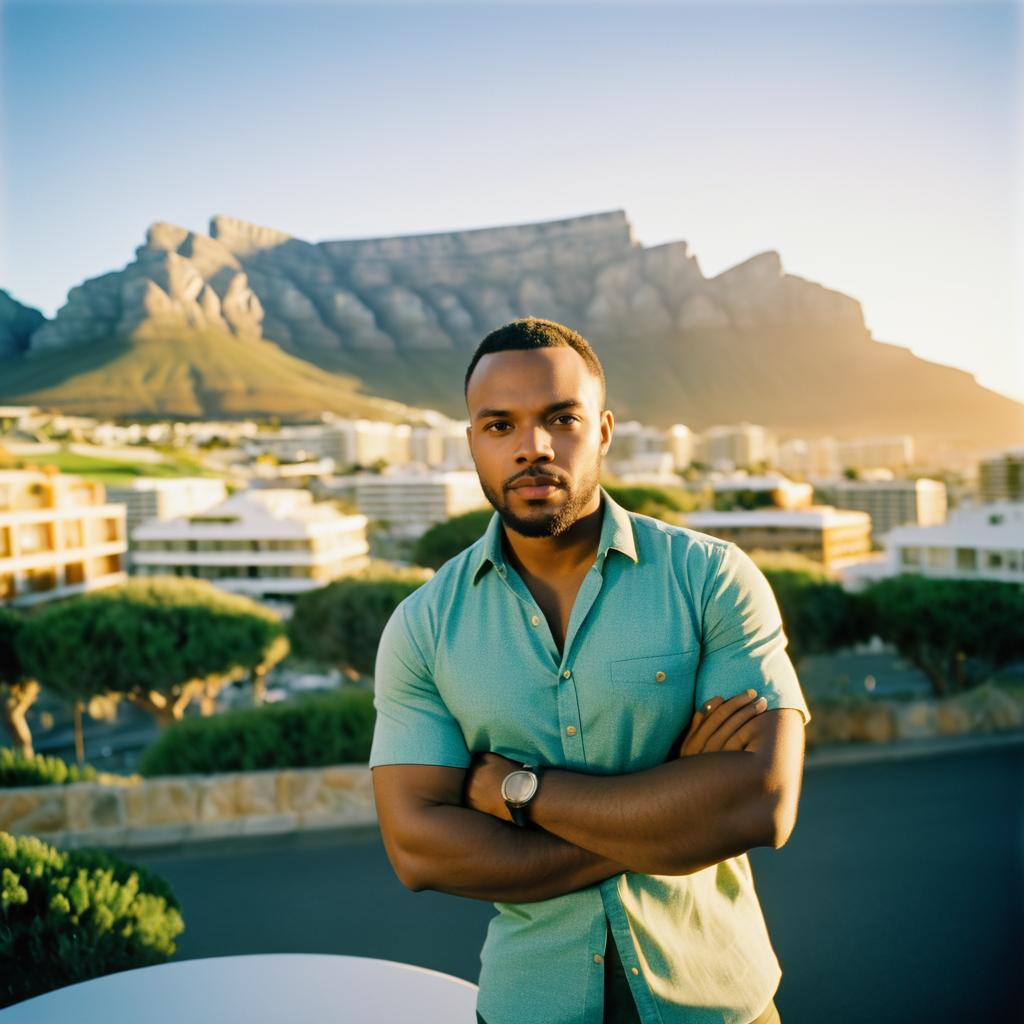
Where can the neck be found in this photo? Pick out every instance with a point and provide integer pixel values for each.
(565, 555)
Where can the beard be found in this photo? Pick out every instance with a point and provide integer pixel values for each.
(547, 522)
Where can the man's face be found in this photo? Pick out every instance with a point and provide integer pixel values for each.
(535, 416)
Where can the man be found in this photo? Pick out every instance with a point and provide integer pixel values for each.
(577, 639)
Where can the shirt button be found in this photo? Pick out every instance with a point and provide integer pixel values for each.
(659, 676)
(635, 971)
(535, 620)
(566, 674)
(571, 730)
(598, 958)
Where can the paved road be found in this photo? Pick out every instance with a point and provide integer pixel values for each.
(900, 896)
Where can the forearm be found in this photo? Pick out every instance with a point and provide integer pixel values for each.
(670, 820)
(467, 853)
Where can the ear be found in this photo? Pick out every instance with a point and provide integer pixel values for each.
(607, 428)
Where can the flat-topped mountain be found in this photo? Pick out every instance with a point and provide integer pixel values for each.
(403, 315)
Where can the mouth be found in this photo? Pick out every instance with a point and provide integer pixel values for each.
(535, 487)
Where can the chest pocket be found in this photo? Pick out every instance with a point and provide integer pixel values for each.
(676, 671)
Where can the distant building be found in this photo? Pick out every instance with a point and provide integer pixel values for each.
(1001, 477)
(894, 453)
(804, 458)
(347, 442)
(827, 535)
(58, 536)
(407, 502)
(681, 441)
(890, 503)
(986, 542)
(771, 490)
(269, 543)
(166, 497)
(739, 446)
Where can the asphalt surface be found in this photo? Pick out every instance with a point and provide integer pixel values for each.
(899, 897)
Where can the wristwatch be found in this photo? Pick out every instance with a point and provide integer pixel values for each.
(518, 788)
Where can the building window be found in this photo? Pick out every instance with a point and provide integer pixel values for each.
(910, 557)
(937, 558)
(967, 559)
(33, 537)
(993, 559)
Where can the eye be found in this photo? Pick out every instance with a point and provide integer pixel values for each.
(496, 423)
(567, 416)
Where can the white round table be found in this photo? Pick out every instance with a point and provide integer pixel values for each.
(278, 988)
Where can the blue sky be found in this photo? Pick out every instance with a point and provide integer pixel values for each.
(876, 147)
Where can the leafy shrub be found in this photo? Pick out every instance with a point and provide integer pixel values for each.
(341, 624)
(18, 770)
(322, 729)
(71, 915)
(445, 540)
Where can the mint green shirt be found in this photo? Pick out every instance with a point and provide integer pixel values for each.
(664, 619)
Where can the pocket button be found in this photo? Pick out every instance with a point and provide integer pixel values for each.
(659, 677)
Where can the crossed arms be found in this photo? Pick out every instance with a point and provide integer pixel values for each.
(732, 784)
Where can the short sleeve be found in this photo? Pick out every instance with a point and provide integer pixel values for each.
(414, 726)
(743, 644)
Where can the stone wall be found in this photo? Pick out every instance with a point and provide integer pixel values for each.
(150, 812)
(985, 709)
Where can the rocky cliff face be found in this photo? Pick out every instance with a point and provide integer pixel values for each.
(17, 325)
(404, 314)
(429, 292)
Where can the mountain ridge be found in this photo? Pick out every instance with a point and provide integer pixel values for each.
(402, 314)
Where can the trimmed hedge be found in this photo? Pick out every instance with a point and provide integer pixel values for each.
(317, 730)
(39, 770)
(71, 915)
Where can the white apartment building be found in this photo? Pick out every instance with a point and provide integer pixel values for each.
(1001, 477)
(58, 536)
(804, 458)
(891, 503)
(737, 446)
(165, 498)
(986, 542)
(681, 441)
(740, 490)
(827, 535)
(408, 501)
(272, 543)
(895, 453)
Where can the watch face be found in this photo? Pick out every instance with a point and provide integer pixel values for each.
(519, 787)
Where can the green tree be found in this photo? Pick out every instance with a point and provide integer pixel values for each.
(159, 641)
(817, 614)
(445, 540)
(17, 689)
(957, 632)
(341, 624)
(648, 500)
(71, 915)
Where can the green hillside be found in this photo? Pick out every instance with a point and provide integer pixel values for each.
(192, 375)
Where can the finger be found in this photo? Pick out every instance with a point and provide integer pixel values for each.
(734, 722)
(703, 711)
(743, 736)
(706, 724)
(711, 721)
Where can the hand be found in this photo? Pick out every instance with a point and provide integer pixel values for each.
(721, 724)
(482, 787)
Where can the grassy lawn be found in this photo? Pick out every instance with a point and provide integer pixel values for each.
(115, 472)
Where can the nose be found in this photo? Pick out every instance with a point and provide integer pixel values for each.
(535, 446)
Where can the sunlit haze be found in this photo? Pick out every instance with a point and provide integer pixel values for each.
(877, 148)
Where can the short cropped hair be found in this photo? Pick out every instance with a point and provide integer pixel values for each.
(531, 332)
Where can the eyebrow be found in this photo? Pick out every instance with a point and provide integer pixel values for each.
(569, 403)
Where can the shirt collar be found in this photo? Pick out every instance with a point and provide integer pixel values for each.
(616, 534)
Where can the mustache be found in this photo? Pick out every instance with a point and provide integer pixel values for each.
(534, 475)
